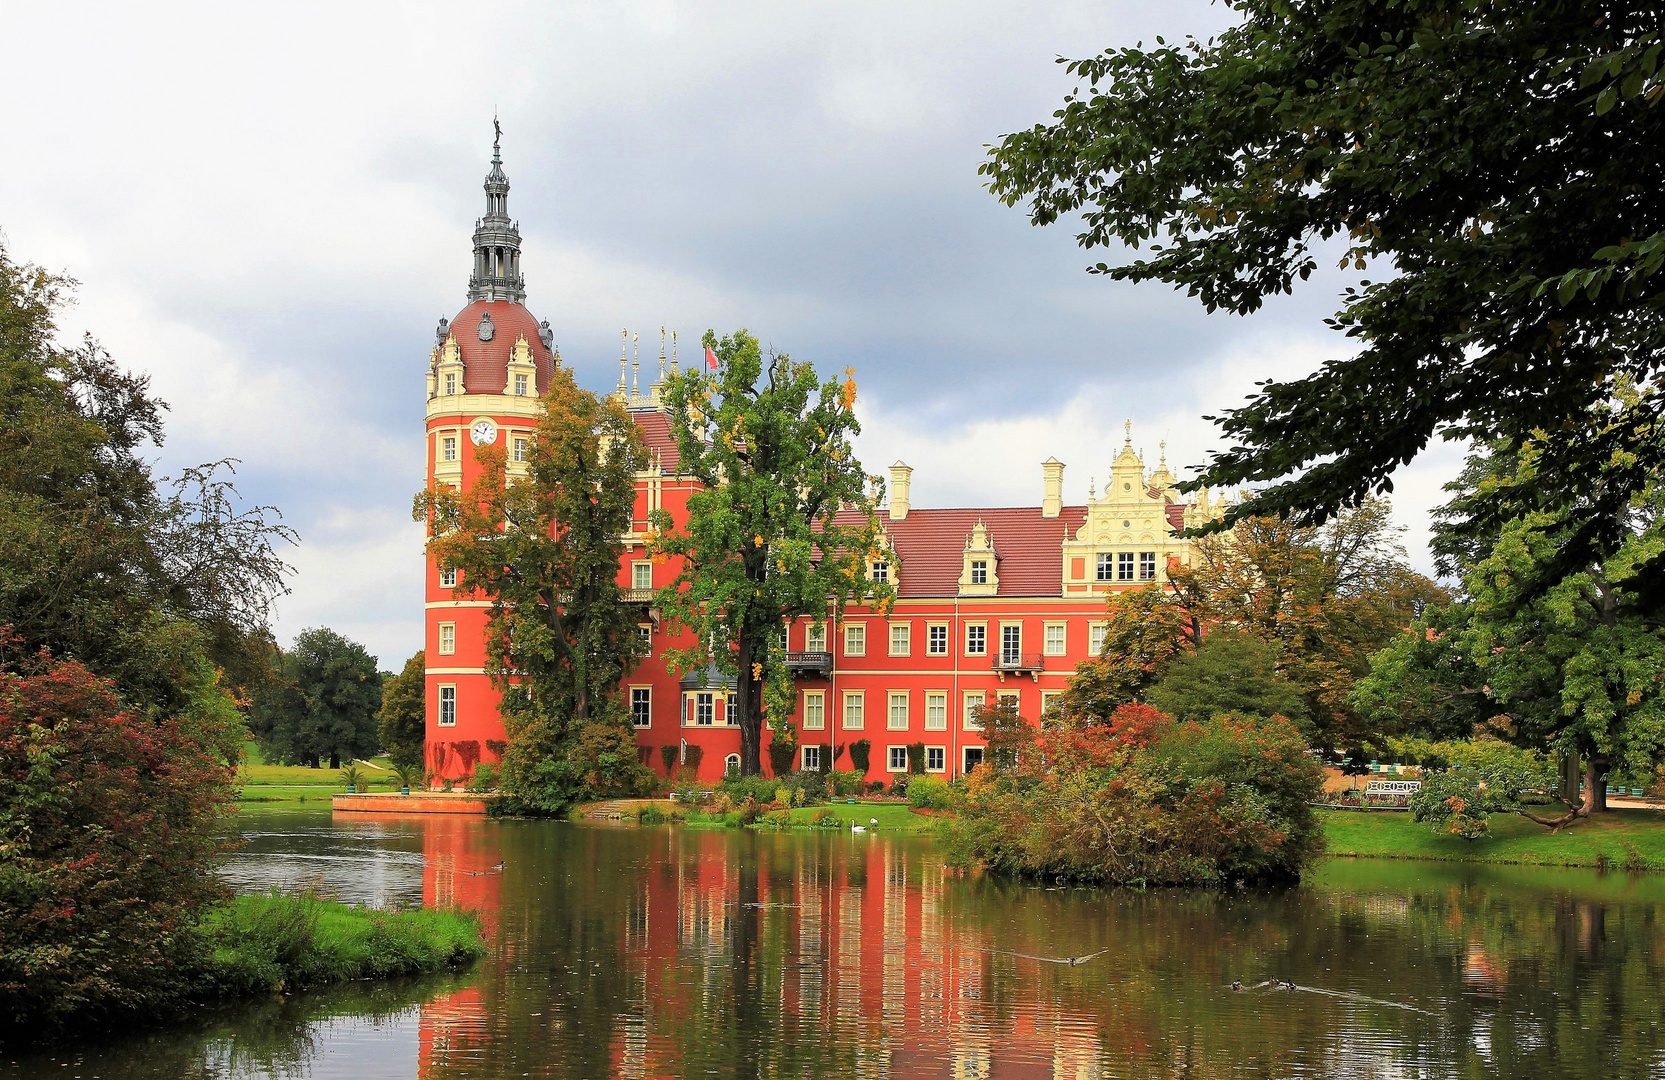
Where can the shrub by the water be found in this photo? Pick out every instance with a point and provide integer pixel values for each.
(861, 755)
(798, 788)
(1142, 799)
(928, 793)
(266, 943)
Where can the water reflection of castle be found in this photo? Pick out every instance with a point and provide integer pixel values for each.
(849, 950)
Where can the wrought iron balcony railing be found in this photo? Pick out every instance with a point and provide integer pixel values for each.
(819, 663)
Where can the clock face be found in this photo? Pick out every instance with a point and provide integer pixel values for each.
(484, 432)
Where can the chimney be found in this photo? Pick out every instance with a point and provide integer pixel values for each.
(901, 476)
(1052, 502)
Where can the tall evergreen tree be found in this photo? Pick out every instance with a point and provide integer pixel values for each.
(544, 548)
(785, 526)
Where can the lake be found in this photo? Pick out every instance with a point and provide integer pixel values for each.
(677, 951)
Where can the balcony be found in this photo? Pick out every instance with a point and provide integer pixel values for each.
(810, 663)
(1011, 663)
(638, 596)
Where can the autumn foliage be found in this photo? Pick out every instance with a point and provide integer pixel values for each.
(105, 848)
(1141, 799)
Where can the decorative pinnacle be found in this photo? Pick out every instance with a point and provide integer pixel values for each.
(661, 352)
(636, 365)
(624, 358)
(674, 368)
(1127, 432)
(1163, 446)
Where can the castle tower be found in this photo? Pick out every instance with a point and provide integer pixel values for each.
(486, 371)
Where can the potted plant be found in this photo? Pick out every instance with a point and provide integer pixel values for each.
(352, 776)
(409, 776)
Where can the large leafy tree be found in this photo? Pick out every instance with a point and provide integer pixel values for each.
(1572, 662)
(402, 725)
(1322, 598)
(544, 546)
(1492, 161)
(1233, 674)
(783, 527)
(97, 556)
(321, 702)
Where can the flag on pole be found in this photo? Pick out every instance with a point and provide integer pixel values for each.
(710, 358)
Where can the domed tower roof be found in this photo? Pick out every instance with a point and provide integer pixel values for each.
(487, 330)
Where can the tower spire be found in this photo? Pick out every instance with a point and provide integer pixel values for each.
(496, 273)
(624, 361)
(635, 368)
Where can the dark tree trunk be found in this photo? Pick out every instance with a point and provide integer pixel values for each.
(335, 760)
(1595, 784)
(312, 762)
(751, 712)
(1569, 779)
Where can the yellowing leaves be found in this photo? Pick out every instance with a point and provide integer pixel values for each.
(848, 397)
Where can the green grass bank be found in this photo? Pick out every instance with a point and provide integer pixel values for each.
(263, 944)
(1620, 839)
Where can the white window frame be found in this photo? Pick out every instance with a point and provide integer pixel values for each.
(807, 751)
(815, 710)
(639, 569)
(1048, 697)
(520, 447)
(706, 708)
(896, 710)
(1013, 655)
(858, 698)
(891, 753)
(879, 570)
(1105, 566)
(970, 700)
(729, 710)
(936, 639)
(1147, 566)
(646, 632)
(855, 633)
(447, 639)
(815, 637)
(1125, 561)
(448, 448)
(901, 638)
(1056, 636)
(450, 383)
(1095, 637)
(942, 759)
(448, 577)
(731, 764)
(982, 634)
(936, 700)
(522, 383)
(979, 571)
(447, 697)
(966, 764)
(642, 695)
(1013, 696)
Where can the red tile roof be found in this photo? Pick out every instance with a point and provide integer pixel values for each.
(486, 363)
(656, 432)
(1029, 557)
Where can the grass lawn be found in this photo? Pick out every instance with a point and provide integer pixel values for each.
(892, 817)
(298, 783)
(1621, 839)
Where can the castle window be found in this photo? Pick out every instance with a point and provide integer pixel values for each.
(448, 706)
(936, 639)
(520, 386)
(1124, 566)
(447, 638)
(646, 632)
(881, 571)
(979, 572)
(450, 383)
(855, 709)
(1147, 566)
(641, 575)
(898, 711)
(898, 759)
(448, 577)
(705, 710)
(901, 635)
(936, 710)
(815, 637)
(448, 448)
(815, 710)
(936, 759)
(1104, 561)
(855, 639)
(812, 758)
(641, 705)
(976, 640)
(1095, 638)
(520, 451)
(1055, 639)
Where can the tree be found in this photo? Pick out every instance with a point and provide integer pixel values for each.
(1322, 597)
(1465, 782)
(785, 525)
(322, 701)
(1486, 155)
(95, 556)
(112, 822)
(402, 724)
(1231, 673)
(1548, 660)
(544, 547)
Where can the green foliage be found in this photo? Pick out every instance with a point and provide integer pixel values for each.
(321, 702)
(1231, 673)
(668, 754)
(408, 775)
(263, 944)
(111, 824)
(781, 755)
(783, 527)
(1464, 782)
(1483, 155)
(916, 759)
(844, 784)
(1140, 799)
(560, 636)
(97, 557)
(484, 778)
(929, 793)
(402, 724)
(352, 777)
(798, 788)
(861, 754)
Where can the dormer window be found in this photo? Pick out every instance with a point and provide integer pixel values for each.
(520, 386)
(450, 383)
(881, 571)
(979, 572)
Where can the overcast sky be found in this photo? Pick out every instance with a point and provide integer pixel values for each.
(269, 208)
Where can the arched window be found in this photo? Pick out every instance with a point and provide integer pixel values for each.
(731, 765)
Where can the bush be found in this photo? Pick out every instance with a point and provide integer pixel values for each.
(1144, 800)
(844, 784)
(916, 759)
(899, 784)
(780, 757)
(107, 845)
(928, 793)
(861, 755)
(793, 789)
(485, 778)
